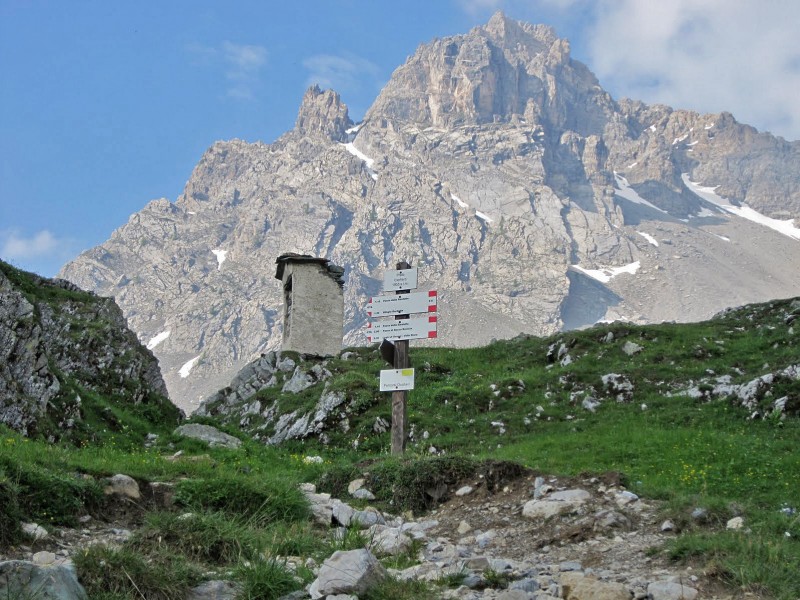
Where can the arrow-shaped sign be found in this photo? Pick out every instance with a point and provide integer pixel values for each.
(402, 304)
(414, 328)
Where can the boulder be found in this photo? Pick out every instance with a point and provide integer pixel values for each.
(355, 485)
(321, 508)
(464, 491)
(368, 517)
(671, 590)
(363, 494)
(22, 579)
(557, 503)
(735, 523)
(631, 348)
(388, 541)
(37, 532)
(342, 513)
(208, 434)
(300, 381)
(347, 572)
(576, 586)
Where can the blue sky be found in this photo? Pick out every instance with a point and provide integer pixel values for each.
(107, 105)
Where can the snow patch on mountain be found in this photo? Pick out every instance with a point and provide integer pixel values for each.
(157, 339)
(350, 147)
(483, 216)
(707, 193)
(187, 367)
(649, 238)
(460, 202)
(221, 256)
(606, 274)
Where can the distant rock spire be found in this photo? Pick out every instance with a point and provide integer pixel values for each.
(323, 113)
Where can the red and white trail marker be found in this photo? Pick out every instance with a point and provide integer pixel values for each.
(415, 328)
(402, 304)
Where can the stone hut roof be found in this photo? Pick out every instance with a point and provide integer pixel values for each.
(334, 271)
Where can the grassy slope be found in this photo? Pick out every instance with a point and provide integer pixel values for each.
(688, 453)
(104, 415)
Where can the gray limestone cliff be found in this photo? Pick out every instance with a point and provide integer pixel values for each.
(67, 358)
(526, 195)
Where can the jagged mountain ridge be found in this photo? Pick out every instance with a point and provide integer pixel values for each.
(497, 164)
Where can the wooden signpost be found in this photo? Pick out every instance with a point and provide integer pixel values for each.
(400, 379)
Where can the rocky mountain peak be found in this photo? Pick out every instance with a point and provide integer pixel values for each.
(323, 113)
(509, 33)
(497, 72)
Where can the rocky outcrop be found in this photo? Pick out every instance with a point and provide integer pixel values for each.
(527, 196)
(262, 400)
(323, 113)
(60, 347)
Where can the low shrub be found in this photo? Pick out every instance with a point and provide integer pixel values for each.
(418, 484)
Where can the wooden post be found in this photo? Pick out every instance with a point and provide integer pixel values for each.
(399, 404)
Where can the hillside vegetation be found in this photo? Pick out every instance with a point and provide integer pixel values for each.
(692, 416)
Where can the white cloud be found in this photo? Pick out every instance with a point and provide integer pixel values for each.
(244, 60)
(706, 55)
(738, 56)
(18, 247)
(242, 65)
(41, 252)
(342, 73)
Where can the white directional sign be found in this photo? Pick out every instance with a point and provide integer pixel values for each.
(393, 380)
(402, 304)
(404, 279)
(415, 328)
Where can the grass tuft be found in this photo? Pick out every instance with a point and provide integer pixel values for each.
(123, 573)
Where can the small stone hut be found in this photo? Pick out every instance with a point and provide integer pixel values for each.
(313, 304)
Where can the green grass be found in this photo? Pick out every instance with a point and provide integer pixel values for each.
(38, 288)
(266, 579)
(127, 574)
(247, 513)
(214, 538)
(394, 589)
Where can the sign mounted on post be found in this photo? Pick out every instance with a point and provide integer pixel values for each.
(415, 328)
(402, 304)
(393, 380)
(402, 279)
